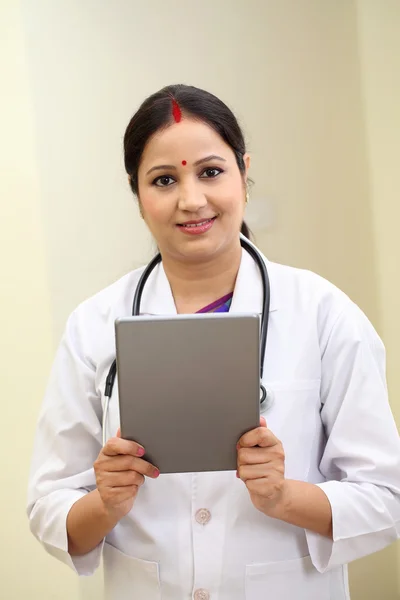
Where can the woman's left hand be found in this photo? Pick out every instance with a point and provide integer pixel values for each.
(261, 465)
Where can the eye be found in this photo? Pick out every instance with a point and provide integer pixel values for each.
(211, 173)
(163, 181)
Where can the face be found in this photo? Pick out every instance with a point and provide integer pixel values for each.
(191, 191)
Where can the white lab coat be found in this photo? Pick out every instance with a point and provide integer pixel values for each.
(326, 367)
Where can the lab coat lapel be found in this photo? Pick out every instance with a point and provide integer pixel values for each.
(157, 296)
(248, 292)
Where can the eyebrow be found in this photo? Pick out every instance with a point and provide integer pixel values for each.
(196, 164)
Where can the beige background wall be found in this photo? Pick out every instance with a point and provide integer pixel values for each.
(379, 52)
(314, 85)
(27, 339)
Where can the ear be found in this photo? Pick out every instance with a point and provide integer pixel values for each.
(141, 209)
(247, 161)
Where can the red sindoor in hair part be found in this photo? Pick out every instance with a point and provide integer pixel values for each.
(176, 111)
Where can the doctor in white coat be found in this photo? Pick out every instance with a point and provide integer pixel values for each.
(318, 483)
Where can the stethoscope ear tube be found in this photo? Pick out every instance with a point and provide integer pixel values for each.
(266, 303)
(110, 379)
(140, 286)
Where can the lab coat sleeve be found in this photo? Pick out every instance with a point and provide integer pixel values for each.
(361, 458)
(67, 442)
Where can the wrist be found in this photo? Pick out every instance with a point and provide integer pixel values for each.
(279, 507)
(302, 504)
(286, 501)
(108, 516)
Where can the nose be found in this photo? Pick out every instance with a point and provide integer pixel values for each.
(191, 199)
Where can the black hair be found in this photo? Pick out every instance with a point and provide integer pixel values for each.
(159, 110)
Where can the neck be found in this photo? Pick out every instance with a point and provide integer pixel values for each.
(195, 285)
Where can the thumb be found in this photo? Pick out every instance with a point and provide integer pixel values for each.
(119, 432)
(263, 422)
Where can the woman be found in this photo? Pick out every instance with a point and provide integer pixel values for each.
(316, 488)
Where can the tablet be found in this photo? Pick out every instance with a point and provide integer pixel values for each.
(189, 387)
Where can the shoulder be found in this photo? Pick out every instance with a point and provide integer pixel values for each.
(317, 301)
(302, 294)
(305, 288)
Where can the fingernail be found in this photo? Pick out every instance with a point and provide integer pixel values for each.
(141, 452)
(156, 473)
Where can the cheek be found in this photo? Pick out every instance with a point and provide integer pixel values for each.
(233, 206)
(157, 210)
(232, 198)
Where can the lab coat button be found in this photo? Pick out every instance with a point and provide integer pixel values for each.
(202, 517)
(201, 595)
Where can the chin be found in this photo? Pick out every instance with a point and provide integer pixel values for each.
(200, 250)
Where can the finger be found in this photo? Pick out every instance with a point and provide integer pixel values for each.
(120, 479)
(268, 472)
(121, 462)
(145, 468)
(128, 492)
(116, 445)
(129, 463)
(263, 422)
(254, 456)
(117, 495)
(261, 436)
(118, 432)
(246, 472)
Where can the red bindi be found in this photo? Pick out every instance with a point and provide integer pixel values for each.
(184, 162)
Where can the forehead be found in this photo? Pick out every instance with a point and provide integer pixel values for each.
(188, 140)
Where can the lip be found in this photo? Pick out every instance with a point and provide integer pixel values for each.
(197, 227)
(195, 222)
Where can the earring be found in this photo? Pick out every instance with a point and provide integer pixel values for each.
(247, 196)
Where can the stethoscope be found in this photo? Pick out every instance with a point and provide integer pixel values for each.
(266, 397)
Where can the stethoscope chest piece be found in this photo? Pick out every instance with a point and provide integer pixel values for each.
(267, 398)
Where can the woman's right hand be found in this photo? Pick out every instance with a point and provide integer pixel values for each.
(119, 474)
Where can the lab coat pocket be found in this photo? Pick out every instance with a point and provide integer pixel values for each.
(290, 579)
(129, 578)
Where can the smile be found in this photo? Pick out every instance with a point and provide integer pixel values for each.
(197, 224)
(197, 227)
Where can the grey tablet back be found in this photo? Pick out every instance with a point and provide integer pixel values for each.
(188, 387)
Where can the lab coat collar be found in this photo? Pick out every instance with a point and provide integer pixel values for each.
(248, 292)
(157, 296)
